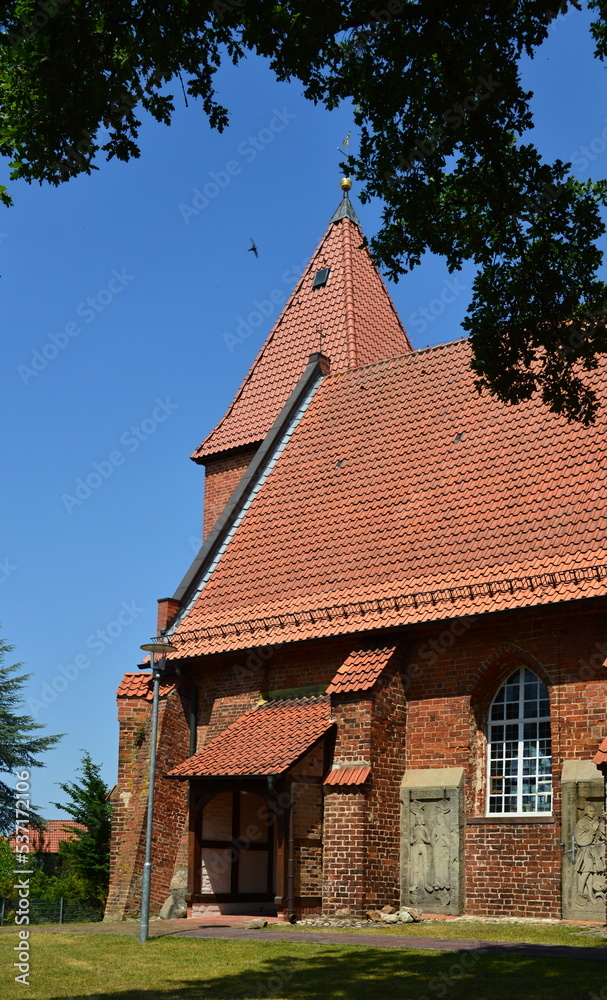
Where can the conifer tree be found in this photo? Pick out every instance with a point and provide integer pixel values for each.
(87, 852)
(20, 748)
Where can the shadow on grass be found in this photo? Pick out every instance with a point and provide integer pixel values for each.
(373, 974)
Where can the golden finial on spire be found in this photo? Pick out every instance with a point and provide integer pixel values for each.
(345, 184)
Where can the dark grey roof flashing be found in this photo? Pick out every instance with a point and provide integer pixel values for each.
(313, 373)
(345, 210)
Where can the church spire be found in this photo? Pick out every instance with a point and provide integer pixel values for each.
(340, 292)
(345, 209)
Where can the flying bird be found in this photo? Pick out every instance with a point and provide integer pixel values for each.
(253, 248)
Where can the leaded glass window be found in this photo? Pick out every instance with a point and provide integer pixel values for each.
(518, 737)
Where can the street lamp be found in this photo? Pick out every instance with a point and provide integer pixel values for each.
(160, 650)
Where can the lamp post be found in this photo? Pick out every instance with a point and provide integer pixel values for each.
(160, 650)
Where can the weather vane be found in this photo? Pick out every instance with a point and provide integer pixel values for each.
(345, 143)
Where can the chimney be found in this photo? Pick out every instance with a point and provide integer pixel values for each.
(168, 609)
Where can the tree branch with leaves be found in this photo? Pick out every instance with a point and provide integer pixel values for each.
(441, 112)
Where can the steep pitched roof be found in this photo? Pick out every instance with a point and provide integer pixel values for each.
(403, 495)
(359, 325)
(361, 669)
(266, 740)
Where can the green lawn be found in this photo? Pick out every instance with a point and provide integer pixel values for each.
(569, 934)
(97, 966)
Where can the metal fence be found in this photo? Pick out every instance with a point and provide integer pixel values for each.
(51, 911)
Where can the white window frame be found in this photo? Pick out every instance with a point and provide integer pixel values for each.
(520, 720)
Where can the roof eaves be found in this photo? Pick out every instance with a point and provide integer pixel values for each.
(309, 381)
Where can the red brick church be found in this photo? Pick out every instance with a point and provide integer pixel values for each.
(389, 683)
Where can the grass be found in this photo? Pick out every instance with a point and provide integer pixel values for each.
(88, 966)
(568, 934)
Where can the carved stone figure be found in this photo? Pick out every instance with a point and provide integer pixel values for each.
(589, 835)
(432, 840)
(440, 838)
(420, 859)
(431, 851)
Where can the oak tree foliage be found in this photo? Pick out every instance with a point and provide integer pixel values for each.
(443, 120)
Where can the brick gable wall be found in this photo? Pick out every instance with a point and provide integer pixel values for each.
(222, 476)
(129, 803)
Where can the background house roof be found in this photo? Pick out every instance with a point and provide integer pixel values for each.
(355, 315)
(55, 831)
(405, 489)
(266, 740)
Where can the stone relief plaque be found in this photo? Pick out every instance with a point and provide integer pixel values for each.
(432, 824)
(583, 865)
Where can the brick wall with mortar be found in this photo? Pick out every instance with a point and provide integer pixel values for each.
(388, 748)
(129, 803)
(344, 862)
(308, 823)
(452, 672)
(346, 809)
(230, 685)
(222, 476)
(451, 678)
(127, 816)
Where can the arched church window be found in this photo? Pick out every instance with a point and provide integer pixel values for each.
(518, 738)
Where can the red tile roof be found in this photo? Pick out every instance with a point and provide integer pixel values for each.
(361, 669)
(140, 686)
(356, 775)
(403, 495)
(266, 740)
(600, 756)
(55, 831)
(359, 326)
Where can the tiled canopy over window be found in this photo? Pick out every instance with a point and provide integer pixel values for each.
(520, 773)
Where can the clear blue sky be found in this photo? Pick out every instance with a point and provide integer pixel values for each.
(143, 373)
